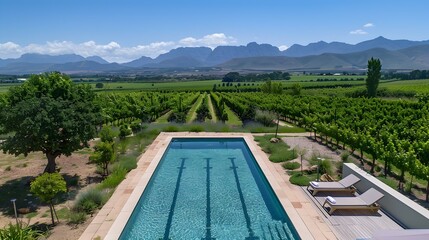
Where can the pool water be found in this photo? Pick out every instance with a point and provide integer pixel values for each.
(208, 189)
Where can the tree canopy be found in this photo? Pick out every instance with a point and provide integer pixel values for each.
(373, 76)
(49, 113)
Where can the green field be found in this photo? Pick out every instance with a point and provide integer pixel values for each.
(418, 86)
(178, 86)
(300, 78)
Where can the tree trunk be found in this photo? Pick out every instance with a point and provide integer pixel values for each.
(385, 168)
(52, 213)
(401, 180)
(373, 165)
(55, 212)
(51, 167)
(427, 192)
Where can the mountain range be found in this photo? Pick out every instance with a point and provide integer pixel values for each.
(394, 54)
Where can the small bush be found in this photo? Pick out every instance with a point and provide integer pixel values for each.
(136, 127)
(18, 231)
(8, 168)
(76, 217)
(124, 131)
(266, 118)
(282, 156)
(123, 145)
(113, 179)
(299, 179)
(90, 200)
(196, 129)
(377, 168)
(291, 165)
(125, 162)
(73, 181)
(325, 167)
(345, 156)
(170, 129)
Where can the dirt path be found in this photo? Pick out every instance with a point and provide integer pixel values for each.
(192, 114)
(211, 109)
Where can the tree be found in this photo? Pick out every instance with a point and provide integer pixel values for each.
(107, 134)
(373, 76)
(99, 85)
(49, 113)
(46, 187)
(103, 155)
(231, 77)
(296, 89)
(272, 87)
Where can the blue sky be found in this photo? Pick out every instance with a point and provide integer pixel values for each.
(124, 30)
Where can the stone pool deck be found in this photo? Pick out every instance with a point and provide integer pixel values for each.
(111, 219)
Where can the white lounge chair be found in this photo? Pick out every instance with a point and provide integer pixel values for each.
(367, 200)
(344, 185)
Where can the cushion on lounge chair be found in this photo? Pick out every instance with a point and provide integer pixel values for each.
(367, 200)
(331, 199)
(349, 180)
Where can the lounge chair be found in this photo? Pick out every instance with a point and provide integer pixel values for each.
(367, 200)
(344, 185)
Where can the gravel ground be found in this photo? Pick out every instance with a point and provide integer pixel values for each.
(312, 148)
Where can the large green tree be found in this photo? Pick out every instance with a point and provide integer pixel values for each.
(51, 114)
(373, 76)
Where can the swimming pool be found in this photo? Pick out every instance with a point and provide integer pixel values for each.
(208, 188)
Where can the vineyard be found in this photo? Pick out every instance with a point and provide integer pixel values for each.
(392, 133)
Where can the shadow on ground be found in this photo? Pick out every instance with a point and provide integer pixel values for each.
(26, 202)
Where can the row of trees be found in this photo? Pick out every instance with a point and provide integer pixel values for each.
(392, 132)
(236, 77)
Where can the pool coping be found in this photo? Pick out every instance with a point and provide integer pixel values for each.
(112, 218)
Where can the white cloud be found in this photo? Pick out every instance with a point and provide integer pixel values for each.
(112, 51)
(212, 40)
(358, 32)
(368, 25)
(283, 47)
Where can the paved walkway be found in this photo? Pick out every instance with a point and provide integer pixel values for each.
(111, 219)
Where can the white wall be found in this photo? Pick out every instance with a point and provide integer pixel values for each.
(403, 209)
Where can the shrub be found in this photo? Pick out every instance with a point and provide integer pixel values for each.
(124, 131)
(107, 134)
(90, 200)
(325, 167)
(196, 129)
(266, 118)
(18, 231)
(76, 217)
(114, 179)
(291, 165)
(136, 127)
(99, 85)
(123, 145)
(125, 162)
(170, 129)
(8, 168)
(299, 179)
(345, 156)
(377, 168)
(282, 156)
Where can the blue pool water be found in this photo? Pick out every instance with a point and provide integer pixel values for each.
(208, 189)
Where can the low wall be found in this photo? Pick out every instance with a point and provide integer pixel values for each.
(404, 210)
